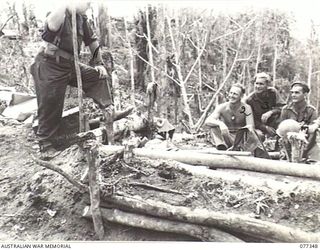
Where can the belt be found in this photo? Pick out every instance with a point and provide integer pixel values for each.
(59, 53)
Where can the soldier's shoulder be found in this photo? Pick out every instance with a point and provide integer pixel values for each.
(272, 90)
(222, 106)
(243, 103)
(286, 107)
(249, 97)
(310, 107)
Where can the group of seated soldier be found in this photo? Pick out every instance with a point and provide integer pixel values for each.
(244, 124)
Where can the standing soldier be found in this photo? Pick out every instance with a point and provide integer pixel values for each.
(54, 69)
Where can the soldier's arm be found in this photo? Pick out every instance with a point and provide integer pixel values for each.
(314, 116)
(249, 117)
(97, 59)
(95, 51)
(214, 119)
(56, 18)
(315, 123)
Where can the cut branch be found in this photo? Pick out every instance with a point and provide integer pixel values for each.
(149, 186)
(82, 188)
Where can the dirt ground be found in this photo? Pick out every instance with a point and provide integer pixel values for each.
(39, 204)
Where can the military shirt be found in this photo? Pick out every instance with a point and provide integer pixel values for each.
(270, 100)
(305, 114)
(63, 37)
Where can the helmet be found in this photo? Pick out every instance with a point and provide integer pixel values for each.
(288, 125)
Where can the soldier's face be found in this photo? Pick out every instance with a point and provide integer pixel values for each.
(297, 94)
(260, 85)
(235, 95)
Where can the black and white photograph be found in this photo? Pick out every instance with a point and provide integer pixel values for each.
(173, 122)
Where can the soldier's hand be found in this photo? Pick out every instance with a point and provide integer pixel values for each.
(102, 71)
(266, 116)
(271, 131)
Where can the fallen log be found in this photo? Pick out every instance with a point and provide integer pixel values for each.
(273, 155)
(133, 123)
(217, 152)
(231, 222)
(234, 162)
(108, 150)
(159, 224)
(269, 183)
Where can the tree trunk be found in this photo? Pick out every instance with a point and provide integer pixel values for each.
(224, 66)
(150, 45)
(259, 37)
(258, 57)
(274, 67)
(176, 49)
(141, 45)
(94, 190)
(82, 119)
(132, 96)
(161, 37)
(318, 92)
(310, 75)
(163, 225)
(232, 222)
(116, 91)
(102, 19)
(234, 162)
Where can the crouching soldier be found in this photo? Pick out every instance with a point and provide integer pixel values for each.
(306, 117)
(266, 105)
(232, 124)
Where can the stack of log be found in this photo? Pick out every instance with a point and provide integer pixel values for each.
(204, 224)
(108, 204)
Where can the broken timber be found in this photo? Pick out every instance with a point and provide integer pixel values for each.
(164, 225)
(232, 222)
(94, 190)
